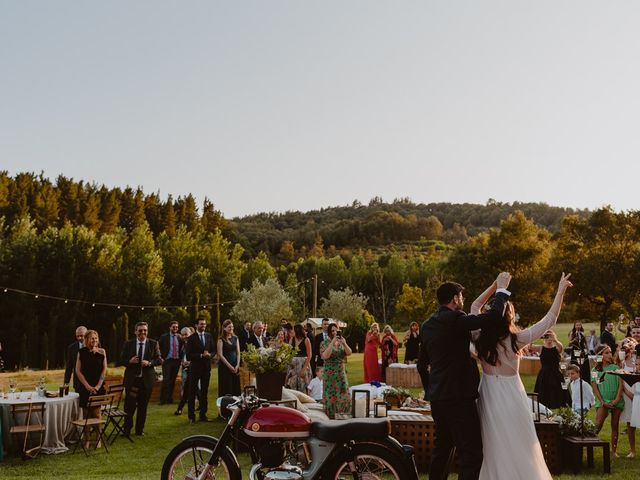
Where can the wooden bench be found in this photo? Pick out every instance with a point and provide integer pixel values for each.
(573, 452)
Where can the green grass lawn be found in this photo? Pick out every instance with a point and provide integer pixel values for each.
(144, 458)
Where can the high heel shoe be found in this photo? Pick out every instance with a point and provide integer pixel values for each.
(178, 412)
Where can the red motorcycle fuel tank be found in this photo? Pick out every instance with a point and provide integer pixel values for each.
(275, 421)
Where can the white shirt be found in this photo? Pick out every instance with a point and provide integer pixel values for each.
(144, 345)
(315, 388)
(588, 398)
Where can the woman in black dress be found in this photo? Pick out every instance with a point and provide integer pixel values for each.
(228, 361)
(299, 371)
(549, 382)
(412, 344)
(579, 344)
(91, 368)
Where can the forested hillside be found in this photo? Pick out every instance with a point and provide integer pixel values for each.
(75, 253)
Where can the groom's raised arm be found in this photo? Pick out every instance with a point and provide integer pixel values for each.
(475, 322)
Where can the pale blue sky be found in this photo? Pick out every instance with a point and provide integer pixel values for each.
(291, 105)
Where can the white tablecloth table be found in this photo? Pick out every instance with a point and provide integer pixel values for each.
(57, 419)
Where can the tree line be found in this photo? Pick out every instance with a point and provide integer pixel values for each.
(140, 256)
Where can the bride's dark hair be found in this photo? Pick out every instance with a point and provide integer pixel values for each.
(493, 334)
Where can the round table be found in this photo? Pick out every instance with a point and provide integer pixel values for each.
(57, 418)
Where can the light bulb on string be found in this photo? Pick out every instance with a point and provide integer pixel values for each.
(93, 304)
(6, 290)
(36, 296)
(66, 301)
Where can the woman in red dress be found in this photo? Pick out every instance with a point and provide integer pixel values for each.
(371, 346)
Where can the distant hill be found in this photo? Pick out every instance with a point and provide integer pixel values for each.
(380, 223)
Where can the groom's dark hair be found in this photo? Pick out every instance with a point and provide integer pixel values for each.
(447, 291)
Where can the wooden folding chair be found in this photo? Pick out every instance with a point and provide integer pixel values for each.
(83, 427)
(115, 416)
(33, 416)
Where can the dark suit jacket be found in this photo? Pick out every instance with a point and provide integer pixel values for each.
(243, 338)
(446, 336)
(253, 340)
(72, 356)
(608, 338)
(165, 343)
(151, 354)
(194, 349)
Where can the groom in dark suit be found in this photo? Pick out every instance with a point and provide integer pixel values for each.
(454, 377)
(140, 355)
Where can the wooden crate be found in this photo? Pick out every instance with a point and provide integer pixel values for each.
(403, 377)
(549, 436)
(419, 431)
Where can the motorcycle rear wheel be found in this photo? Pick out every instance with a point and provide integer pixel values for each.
(187, 460)
(372, 462)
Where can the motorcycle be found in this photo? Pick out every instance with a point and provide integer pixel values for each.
(284, 444)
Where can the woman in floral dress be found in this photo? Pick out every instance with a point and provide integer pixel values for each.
(335, 395)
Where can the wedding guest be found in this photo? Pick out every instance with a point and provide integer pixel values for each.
(72, 356)
(627, 348)
(608, 392)
(593, 342)
(370, 358)
(280, 339)
(299, 372)
(257, 338)
(199, 347)
(244, 336)
(549, 381)
(228, 350)
(587, 392)
(316, 358)
(389, 347)
(634, 423)
(314, 390)
(608, 338)
(185, 333)
(171, 346)
(335, 395)
(626, 329)
(576, 330)
(412, 343)
(140, 355)
(578, 350)
(289, 334)
(90, 371)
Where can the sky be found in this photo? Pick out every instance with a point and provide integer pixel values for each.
(289, 105)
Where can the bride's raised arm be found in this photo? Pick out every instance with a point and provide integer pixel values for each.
(536, 331)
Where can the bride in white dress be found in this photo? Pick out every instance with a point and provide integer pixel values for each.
(510, 444)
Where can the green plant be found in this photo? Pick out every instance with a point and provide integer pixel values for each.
(570, 423)
(269, 359)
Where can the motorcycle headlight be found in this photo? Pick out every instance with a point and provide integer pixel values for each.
(223, 403)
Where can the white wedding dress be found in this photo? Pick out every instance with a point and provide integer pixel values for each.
(510, 445)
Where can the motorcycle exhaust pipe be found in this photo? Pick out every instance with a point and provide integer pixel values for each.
(254, 471)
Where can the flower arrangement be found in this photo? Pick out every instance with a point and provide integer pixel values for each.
(268, 359)
(570, 423)
(396, 395)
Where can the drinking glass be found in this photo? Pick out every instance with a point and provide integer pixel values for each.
(12, 385)
(622, 355)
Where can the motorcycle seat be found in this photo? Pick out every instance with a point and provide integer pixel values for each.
(353, 429)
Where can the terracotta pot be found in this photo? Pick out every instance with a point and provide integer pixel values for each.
(270, 385)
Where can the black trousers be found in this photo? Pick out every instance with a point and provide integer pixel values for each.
(170, 369)
(202, 377)
(137, 399)
(186, 390)
(457, 424)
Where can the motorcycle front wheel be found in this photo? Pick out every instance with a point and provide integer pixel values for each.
(188, 459)
(369, 462)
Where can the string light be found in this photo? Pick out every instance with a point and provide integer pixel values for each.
(118, 306)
